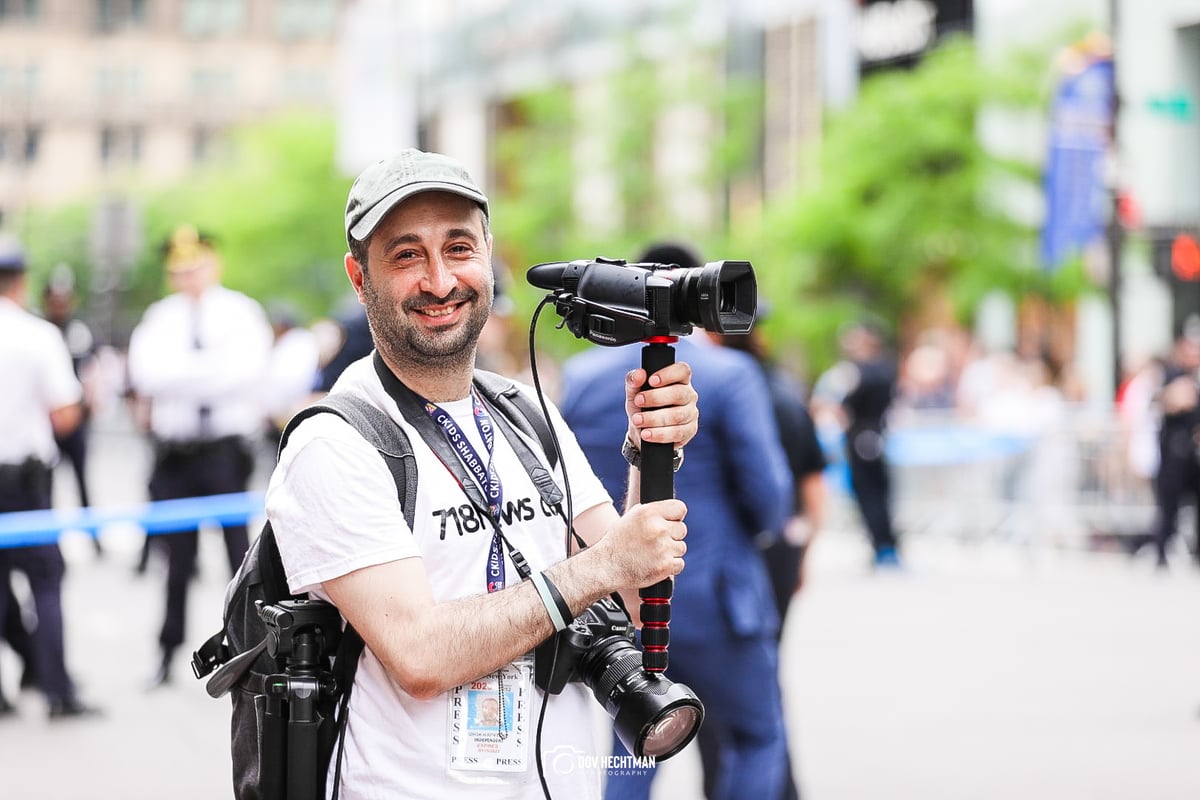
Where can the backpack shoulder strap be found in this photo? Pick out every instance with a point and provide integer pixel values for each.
(380, 431)
(518, 409)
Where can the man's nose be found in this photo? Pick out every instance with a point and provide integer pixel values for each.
(439, 279)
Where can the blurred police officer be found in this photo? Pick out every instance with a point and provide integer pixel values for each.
(856, 393)
(41, 399)
(197, 357)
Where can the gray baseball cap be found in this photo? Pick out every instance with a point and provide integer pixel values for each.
(385, 184)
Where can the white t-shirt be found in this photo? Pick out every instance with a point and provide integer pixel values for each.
(38, 379)
(223, 374)
(332, 503)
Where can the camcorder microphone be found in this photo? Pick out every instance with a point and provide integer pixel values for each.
(612, 303)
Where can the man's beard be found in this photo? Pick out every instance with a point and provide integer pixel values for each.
(405, 343)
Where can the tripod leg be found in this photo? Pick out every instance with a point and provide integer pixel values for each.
(304, 780)
(272, 756)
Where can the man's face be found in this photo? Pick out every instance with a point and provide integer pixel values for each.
(194, 276)
(427, 286)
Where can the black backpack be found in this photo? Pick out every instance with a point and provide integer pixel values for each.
(243, 650)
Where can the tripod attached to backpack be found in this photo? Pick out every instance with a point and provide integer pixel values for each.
(305, 634)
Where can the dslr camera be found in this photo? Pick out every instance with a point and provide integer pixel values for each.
(652, 715)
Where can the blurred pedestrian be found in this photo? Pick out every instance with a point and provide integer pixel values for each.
(15, 633)
(59, 307)
(784, 551)
(41, 399)
(198, 357)
(355, 343)
(856, 394)
(292, 372)
(1178, 477)
(723, 621)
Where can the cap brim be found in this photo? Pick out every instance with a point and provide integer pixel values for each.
(367, 223)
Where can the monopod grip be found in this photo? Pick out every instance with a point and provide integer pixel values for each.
(658, 483)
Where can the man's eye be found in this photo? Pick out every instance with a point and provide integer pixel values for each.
(461, 249)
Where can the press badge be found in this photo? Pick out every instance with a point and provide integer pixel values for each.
(488, 723)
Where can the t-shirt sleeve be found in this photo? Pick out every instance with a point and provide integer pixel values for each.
(333, 505)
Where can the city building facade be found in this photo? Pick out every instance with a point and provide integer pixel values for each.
(95, 94)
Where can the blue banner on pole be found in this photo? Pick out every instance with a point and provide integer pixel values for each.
(1080, 134)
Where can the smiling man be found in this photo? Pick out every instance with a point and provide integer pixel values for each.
(449, 617)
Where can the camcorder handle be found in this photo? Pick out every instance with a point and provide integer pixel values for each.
(658, 483)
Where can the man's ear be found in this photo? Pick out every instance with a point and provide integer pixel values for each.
(355, 272)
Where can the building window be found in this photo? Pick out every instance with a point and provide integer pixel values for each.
(210, 146)
(19, 9)
(211, 84)
(32, 77)
(213, 17)
(120, 145)
(296, 19)
(33, 141)
(118, 82)
(114, 15)
(304, 85)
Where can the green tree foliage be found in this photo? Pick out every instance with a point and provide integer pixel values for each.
(535, 211)
(273, 209)
(906, 208)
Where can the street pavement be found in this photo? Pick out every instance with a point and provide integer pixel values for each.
(985, 670)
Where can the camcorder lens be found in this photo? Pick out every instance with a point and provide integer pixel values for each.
(720, 297)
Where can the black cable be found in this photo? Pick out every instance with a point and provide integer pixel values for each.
(541, 396)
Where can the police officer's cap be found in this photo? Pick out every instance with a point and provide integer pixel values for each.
(184, 246)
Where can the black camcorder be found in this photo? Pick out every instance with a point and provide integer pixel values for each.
(652, 715)
(612, 303)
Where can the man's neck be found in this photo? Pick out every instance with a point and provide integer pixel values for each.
(436, 383)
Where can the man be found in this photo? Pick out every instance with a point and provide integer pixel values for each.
(292, 371)
(58, 306)
(723, 623)
(41, 400)
(855, 394)
(197, 357)
(784, 552)
(1178, 478)
(446, 615)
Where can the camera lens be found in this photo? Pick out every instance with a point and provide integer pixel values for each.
(652, 715)
(671, 732)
